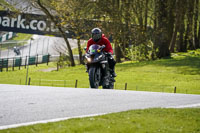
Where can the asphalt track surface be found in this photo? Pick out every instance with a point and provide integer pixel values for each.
(25, 105)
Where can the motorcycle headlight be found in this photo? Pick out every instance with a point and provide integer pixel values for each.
(89, 59)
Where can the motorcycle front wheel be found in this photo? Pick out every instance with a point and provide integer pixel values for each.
(94, 77)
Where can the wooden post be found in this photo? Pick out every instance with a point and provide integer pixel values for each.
(29, 81)
(7, 65)
(48, 59)
(175, 89)
(125, 86)
(2, 64)
(13, 66)
(76, 83)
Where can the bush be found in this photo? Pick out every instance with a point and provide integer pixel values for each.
(140, 52)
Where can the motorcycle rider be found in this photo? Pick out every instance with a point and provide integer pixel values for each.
(100, 39)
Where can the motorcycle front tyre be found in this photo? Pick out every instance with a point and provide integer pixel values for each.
(94, 77)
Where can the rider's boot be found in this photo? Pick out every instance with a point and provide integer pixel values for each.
(87, 68)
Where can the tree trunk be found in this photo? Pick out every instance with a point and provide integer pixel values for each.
(177, 25)
(117, 53)
(199, 36)
(190, 32)
(44, 9)
(162, 38)
(181, 36)
(80, 51)
(196, 40)
(117, 29)
(185, 46)
(146, 14)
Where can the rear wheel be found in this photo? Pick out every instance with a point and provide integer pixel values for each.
(94, 77)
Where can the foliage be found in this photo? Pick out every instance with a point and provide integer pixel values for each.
(135, 121)
(63, 61)
(171, 25)
(141, 52)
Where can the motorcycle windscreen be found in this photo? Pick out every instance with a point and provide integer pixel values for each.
(93, 49)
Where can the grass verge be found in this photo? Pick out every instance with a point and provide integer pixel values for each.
(135, 121)
(182, 71)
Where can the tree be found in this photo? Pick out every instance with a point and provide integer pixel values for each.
(189, 32)
(161, 32)
(196, 13)
(179, 13)
(59, 26)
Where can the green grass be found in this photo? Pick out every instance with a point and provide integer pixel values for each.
(182, 71)
(22, 36)
(135, 121)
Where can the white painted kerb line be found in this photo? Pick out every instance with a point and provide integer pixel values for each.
(47, 121)
(66, 118)
(186, 106)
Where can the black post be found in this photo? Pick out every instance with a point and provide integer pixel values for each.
(7, 65)
(29, 81)
(2, 65)
(175, 89)
(13, 64)
(48, 59)
(125, 86)
(37, 60)
(76, 83)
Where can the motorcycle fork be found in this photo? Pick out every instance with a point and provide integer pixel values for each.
(105, 69)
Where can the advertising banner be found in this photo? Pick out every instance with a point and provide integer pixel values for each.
(27, 23)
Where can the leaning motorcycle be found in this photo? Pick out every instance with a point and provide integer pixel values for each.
(98, 67)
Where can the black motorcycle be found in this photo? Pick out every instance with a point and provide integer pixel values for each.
(98, 67)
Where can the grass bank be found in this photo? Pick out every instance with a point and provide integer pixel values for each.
(136, 121)
(182, 71)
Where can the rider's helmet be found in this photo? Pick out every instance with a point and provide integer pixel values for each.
(96, 34)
